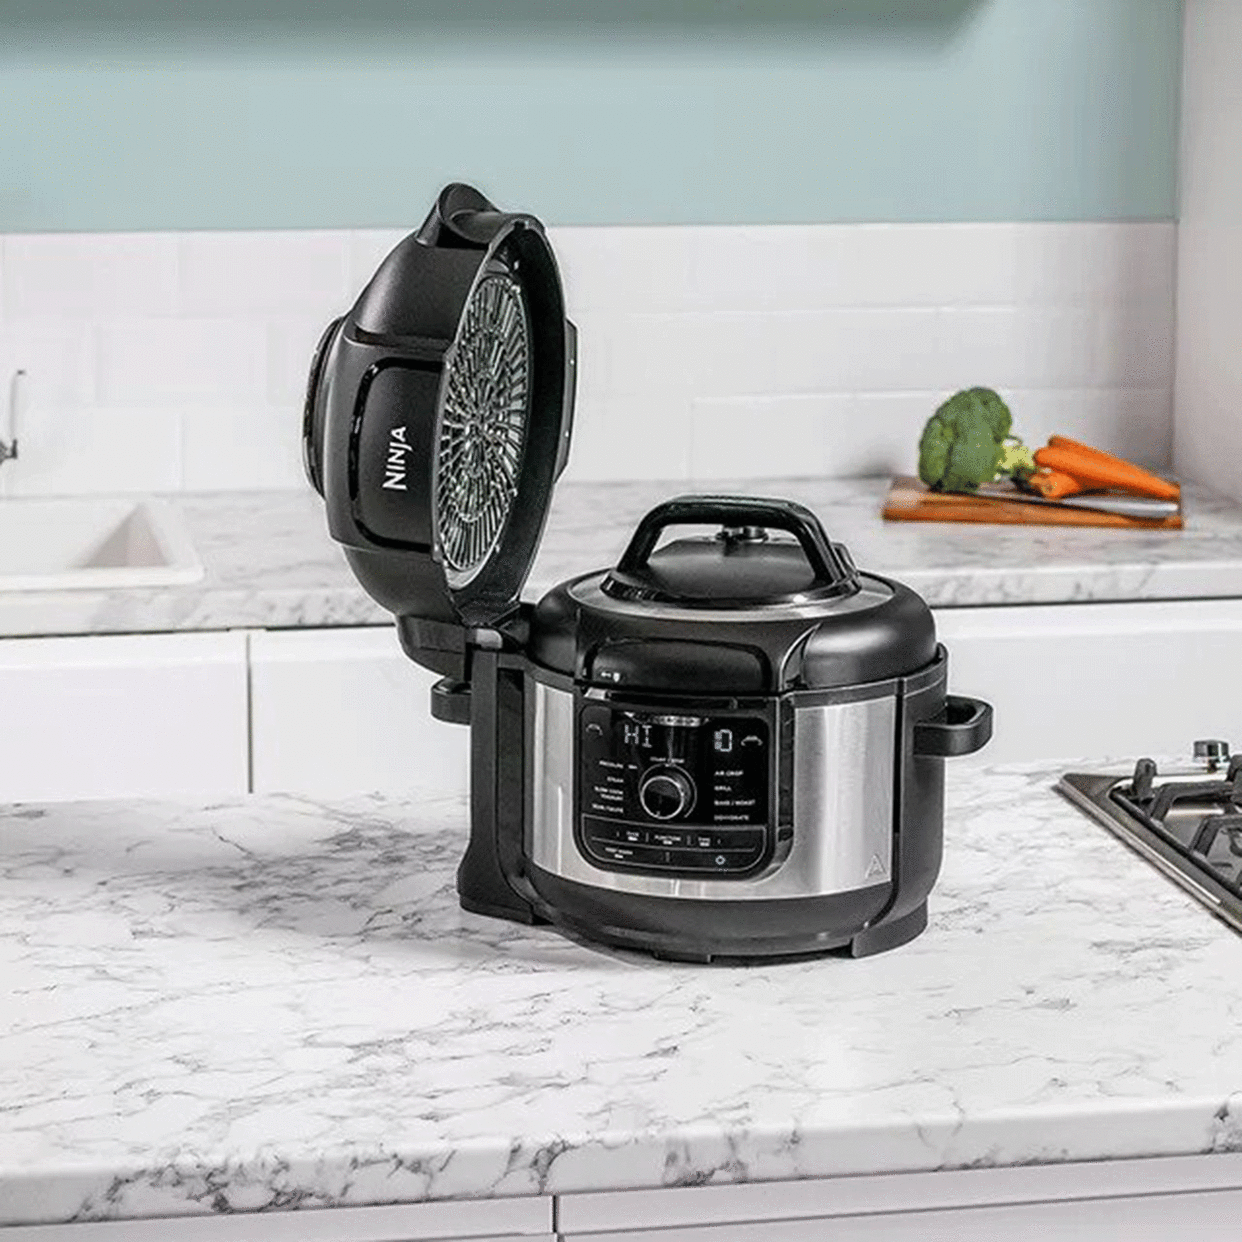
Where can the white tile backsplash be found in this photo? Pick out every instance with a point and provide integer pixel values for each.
(724, 443)
(633, 438)
(1136, 343)
(1020, 347)
(182, 361)
(1135, 422)
(278, 273)
(58, 356)
(367, 250)
(290, 345)
(235, 446)
(89, 275)
(627, 269)
(179, 360)
(79, 450)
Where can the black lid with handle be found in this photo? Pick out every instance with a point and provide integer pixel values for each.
(740, 566)
(742, 610)
(438, 418)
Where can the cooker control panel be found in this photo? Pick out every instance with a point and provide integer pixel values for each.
(674, 793)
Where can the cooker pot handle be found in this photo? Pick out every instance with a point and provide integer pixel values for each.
(829, 563)
(964, 727)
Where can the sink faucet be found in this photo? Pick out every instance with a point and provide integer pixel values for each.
(8, 448)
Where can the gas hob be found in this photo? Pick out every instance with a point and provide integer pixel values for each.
(1186, 820)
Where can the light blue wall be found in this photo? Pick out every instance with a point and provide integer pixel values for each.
(137, 114)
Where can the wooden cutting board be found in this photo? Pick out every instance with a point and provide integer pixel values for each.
(909, 500)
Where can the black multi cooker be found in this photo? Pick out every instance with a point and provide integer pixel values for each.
(730, 745)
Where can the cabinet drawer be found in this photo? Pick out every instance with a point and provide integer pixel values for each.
(480, 1220)
(344, 711)
(1099, 680)
(706, 1213)
(122, 716)
(1145, 1218)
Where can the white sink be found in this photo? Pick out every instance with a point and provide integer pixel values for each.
(99, 543)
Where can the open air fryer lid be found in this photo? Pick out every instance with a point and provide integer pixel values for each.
(438, 416)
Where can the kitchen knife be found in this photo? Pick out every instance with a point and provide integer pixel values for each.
(1146, 507)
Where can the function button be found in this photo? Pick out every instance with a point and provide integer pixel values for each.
(669, 840)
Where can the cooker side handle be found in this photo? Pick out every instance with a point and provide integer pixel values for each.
(964, 727)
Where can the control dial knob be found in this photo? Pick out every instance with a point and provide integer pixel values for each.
(666, 793)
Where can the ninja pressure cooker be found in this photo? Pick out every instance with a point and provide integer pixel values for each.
(730, 745)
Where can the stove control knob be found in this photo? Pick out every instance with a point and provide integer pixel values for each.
(666, 793)
(1211, 751)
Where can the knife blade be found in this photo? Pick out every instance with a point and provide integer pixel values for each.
(1146, 507)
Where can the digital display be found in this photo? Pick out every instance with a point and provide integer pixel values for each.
(677, 792)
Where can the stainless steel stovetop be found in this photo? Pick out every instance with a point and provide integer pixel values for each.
(1187, 821)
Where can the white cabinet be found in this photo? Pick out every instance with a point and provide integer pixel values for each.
(1145, 1200)
(122, 716)
(1100, 680)
(1143, 1218)
(344, 710)
(480, 1220)
(339, 711)
(154, 715)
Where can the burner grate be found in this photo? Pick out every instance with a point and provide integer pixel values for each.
(1197, 818)
(1187, 823)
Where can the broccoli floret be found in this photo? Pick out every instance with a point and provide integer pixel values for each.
(1017, 461)
(964, 442)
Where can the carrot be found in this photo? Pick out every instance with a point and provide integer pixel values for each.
(1053, 484)
(1077, 446)
(1094, 468)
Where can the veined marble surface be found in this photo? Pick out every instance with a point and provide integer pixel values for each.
(270, 563)
(276, 1003)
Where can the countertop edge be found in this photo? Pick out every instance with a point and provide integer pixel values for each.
(520, 1168)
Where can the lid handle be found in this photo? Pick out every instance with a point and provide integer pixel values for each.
(827, 564)
(463, 218)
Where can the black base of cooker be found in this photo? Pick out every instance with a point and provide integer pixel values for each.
(685, 930)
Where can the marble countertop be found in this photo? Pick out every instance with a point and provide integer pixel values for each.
(277, 1003)
(270, 564)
